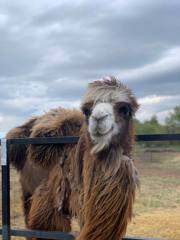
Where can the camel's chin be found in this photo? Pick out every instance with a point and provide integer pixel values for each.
(101, 141)
(102, 134)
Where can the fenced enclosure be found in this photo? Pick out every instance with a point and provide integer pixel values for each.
(6, 230)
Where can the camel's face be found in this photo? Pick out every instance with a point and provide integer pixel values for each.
(102, 121)
(106, 120)
(108, 105)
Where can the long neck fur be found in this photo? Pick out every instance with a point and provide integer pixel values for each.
(109, 184)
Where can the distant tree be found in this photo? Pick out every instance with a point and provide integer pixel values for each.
(138, 126)
(151, 126)
(172, 121)
(154, 121)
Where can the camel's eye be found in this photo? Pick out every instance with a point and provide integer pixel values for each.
(86, 112)
(124, 110)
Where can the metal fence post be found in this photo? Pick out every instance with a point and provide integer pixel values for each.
(5, 190)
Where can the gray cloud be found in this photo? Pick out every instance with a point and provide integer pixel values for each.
(51, 50)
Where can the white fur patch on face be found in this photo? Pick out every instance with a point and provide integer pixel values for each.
(102, 126)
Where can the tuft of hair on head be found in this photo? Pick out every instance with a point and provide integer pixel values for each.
(109, 89)
(109, 81)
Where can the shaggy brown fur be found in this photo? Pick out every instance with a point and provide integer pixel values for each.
(68, 181)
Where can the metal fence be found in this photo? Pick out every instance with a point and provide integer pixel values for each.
(6, 230)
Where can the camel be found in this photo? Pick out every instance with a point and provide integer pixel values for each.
(95, 180)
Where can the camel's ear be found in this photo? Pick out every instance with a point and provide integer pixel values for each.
(18, 152)
(134, 105)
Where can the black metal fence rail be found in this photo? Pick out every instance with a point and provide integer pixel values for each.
(6, 230)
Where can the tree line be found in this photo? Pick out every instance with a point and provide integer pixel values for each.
(153, 126)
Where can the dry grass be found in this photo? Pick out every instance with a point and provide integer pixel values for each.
(157, 208)
(164, 224)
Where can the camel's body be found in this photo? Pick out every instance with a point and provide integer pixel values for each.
(92, 181)
(34, 176)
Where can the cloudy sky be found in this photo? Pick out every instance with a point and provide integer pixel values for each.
(50, 50)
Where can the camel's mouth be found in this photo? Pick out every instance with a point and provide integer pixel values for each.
(99, 133)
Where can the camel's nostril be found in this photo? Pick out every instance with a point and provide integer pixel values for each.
(99, 118)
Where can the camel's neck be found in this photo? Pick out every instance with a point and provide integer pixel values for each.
(107, 161)
(104, 177)
(109, 157)
(102, 165)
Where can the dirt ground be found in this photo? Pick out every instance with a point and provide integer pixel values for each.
(157, 207)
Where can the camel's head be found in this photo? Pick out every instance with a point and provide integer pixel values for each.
(109, 107)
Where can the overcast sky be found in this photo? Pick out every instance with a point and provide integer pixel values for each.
(50, 50)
